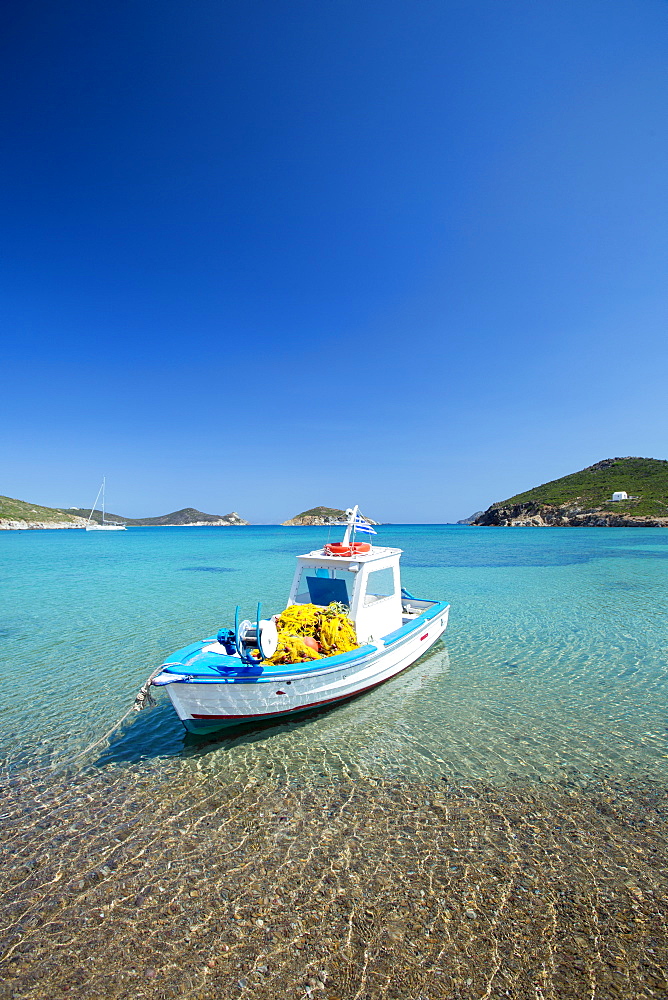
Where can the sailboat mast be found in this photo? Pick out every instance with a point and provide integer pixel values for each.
(95, 504)
(104, 480)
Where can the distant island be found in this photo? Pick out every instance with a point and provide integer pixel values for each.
(321, 515)
(17, 514)
(179, 518)
(585, 499)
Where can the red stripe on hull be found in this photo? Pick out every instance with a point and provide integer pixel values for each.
(297, 708)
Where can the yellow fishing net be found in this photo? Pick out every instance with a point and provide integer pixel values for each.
(331, 628)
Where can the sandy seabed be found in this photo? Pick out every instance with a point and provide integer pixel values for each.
(162, 882)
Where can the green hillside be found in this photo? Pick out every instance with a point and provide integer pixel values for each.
(644, 478)
(19, 510)
(97, 515)
(317, 515)
(339, 515)
(188, 515)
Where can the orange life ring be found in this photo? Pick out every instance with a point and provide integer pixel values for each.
(336, 549)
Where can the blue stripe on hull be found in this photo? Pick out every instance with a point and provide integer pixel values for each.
(212, 723)
(214, 668)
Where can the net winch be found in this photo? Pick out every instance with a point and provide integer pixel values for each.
(247, 636)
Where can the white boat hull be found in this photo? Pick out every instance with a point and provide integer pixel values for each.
(206, 705)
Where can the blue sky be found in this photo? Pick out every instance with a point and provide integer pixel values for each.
(260, 256)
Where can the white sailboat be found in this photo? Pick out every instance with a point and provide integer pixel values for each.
(105, 525)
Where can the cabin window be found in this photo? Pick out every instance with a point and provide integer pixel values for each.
(321, 586)
(380, 584)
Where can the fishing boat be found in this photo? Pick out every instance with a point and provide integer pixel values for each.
(240, 674)
(104, 525)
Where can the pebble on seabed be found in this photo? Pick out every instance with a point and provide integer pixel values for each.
(361, 893)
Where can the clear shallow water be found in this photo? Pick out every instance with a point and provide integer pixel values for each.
(176, 866)
(554, 665)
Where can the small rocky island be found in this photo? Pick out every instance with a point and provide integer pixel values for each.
(322, 515)
(585, 499)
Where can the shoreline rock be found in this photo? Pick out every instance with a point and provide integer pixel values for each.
(534, 515)
(472, 519)
(9, 525)
(309, 520)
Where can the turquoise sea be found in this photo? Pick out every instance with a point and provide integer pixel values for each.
(555, 661)
(489, 825)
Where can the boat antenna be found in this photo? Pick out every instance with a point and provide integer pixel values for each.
(352, 515)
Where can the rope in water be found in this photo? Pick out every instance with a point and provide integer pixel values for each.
(142, 699)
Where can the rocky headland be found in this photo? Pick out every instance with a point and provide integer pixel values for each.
(584, 499)
(19, 515)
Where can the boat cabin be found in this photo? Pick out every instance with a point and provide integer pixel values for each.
(369, 583)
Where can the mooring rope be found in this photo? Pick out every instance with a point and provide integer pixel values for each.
(142, 699)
